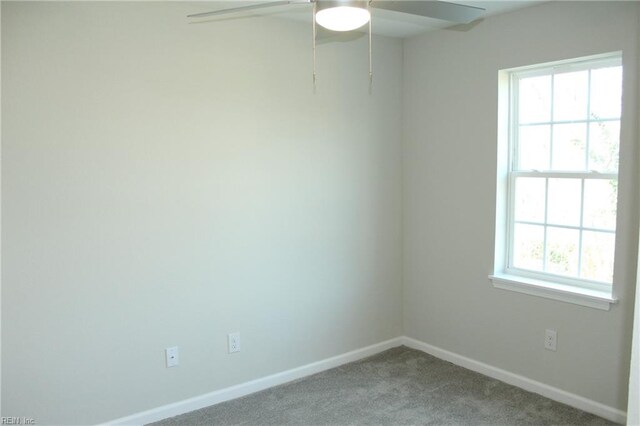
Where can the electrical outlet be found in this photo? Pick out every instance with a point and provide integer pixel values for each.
(550, 340)
(233, 339)
(171, 355)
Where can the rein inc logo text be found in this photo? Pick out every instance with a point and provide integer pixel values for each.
(17, 421)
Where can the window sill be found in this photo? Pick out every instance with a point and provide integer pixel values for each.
(564, 293)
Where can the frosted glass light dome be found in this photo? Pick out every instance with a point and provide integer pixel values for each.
(342, 18)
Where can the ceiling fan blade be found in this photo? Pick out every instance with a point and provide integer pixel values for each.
(433, 9)
(240, 9)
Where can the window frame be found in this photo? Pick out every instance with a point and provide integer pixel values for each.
(542, 283)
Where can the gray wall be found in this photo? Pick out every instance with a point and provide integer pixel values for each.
(165, 184)
(450, 116)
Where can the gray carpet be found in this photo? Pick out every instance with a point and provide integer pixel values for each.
(400, 386)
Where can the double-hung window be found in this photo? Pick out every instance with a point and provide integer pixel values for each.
(561, 179)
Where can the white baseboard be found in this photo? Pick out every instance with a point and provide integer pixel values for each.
(247, 388)
(522, 382)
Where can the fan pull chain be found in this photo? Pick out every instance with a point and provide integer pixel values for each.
(370, 52)
(315, 6)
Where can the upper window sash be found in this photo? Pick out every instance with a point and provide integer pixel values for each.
(607, 61)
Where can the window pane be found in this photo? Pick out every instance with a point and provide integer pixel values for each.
(533, 147)
(604, 146)
(569, 147)
(598, 250)
(534, 96)
(606, 92)
(562, 251)
(570, 96)
(529, 195)
(527, 246)
(564, 202)
(600, 201)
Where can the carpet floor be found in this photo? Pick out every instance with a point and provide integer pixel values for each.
(400, 386)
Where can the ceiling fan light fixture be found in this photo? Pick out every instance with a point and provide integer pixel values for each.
(342, 16)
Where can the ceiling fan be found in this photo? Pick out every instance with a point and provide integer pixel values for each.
(349, 15)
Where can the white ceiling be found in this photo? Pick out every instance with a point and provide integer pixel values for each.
(384, 22)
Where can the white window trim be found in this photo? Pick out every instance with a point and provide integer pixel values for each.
(544, 285)
(556, 291)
